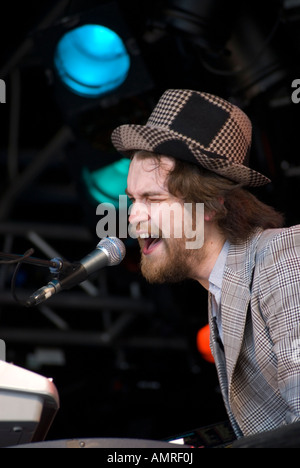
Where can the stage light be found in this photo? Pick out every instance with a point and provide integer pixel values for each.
(92, 60)
(203, 338)
(208, 23)
(105, 185)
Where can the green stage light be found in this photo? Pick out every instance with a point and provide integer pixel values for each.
(105, 185)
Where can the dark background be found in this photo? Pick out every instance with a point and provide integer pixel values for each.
(125, 361)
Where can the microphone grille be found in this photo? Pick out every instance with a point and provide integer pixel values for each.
(115, 250)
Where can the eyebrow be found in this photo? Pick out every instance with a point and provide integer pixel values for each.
(145, 194)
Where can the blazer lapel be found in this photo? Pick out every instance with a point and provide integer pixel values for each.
(218, 353)
(235, 303)
(234, 314)
(220, 362)
(235, 300)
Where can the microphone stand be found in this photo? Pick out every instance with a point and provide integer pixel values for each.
(55, 265)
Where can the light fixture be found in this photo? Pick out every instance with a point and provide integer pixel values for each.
(207, 22)
(106, 184)
(91, 60)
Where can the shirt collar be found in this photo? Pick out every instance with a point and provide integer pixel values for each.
(216, 276)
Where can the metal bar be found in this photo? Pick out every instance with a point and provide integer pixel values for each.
(88, 338)
(27, 45)
(53, 317)
(76, 301)
(50, 231)
(63, 136)
(17, 258)
(14, 126)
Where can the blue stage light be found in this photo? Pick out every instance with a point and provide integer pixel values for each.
(92, 60)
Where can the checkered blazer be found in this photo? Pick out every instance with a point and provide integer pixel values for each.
(259, 370)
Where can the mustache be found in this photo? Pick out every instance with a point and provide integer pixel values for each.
(144, 230)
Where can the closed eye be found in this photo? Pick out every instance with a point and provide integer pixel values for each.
(148, 197)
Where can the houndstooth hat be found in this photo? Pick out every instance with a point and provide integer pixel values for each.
(199, 128)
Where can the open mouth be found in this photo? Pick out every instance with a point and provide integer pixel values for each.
(150, 244)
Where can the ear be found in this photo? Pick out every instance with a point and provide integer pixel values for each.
(209, 216)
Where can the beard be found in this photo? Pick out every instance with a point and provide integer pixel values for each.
(174, 266)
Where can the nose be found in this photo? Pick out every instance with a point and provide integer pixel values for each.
(139, 217)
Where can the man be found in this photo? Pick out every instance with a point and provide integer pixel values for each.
(195, 149)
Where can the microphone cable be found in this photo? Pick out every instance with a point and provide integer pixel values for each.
(19, 262)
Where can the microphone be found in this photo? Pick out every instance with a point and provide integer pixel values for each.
(109, 252)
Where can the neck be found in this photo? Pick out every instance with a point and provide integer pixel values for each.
(208, 256)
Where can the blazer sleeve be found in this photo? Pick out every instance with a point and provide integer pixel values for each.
(280, 306)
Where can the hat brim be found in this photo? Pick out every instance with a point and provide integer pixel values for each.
(129, 138)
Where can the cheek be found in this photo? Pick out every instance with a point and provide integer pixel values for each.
(169, 219)
(155, 215)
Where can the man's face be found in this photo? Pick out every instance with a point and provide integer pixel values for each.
(164, 256)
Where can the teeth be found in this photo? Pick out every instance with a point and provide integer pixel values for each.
(144, 236)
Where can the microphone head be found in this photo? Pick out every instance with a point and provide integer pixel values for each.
(114, 248)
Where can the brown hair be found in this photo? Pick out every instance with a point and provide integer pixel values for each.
(237, 212)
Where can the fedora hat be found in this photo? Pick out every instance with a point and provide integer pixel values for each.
(199, 128)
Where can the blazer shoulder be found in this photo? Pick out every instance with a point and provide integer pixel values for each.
(278, 251)
(279, 239)
(243, 258)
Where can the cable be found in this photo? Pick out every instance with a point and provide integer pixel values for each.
(20, 259)
(14, 277)
(56, 264)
